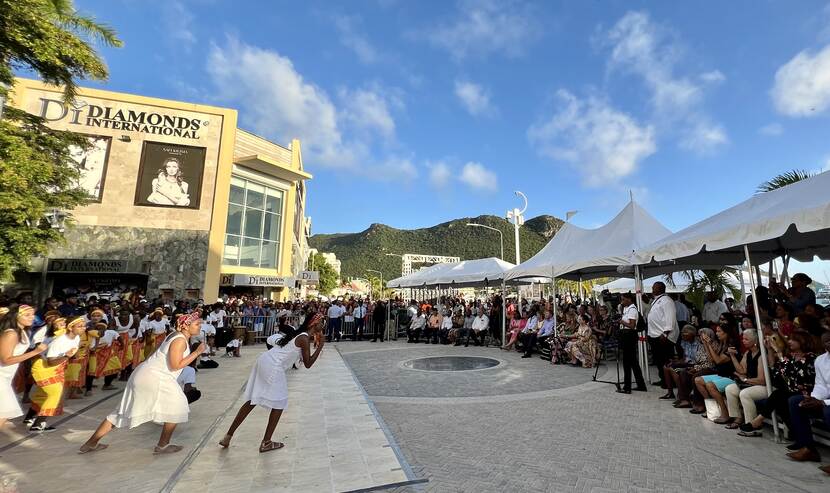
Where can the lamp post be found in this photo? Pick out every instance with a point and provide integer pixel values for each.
(385, 322)
(501, 235)
(518, 220)
(401, 257)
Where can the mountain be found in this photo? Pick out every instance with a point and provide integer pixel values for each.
(367, 249)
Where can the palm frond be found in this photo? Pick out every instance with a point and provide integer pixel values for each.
(784, 179)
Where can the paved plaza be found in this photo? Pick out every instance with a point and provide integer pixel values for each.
(521, 426)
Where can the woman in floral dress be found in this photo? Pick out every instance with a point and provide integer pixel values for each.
(583, 348)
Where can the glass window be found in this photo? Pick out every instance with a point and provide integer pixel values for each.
(249, 253)
(271, 228)
(253, 223)
(237, 195)
(234, 226)
(256, 196)
(231, 255)
(252, 233)
(269, 254)
(273, 201)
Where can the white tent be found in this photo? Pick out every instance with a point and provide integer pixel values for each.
(418, 278)
(587, 253)
(793, 220)
(485, 271)
(680, 283)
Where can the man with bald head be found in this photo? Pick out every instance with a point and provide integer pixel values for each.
(662, 328)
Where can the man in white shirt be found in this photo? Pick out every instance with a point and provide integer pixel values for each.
(480, 325)
(416, 325)
(681, 309)
(335, 314)
(359, 315)
(713, 308)
(815, 406)
(662, 328)
(628, 344)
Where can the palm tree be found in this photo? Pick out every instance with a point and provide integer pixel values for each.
(784, 179)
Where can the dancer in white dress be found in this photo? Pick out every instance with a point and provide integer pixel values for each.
(152, 392)
(13, 345)
(267, 385)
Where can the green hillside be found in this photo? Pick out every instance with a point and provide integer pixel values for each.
(367, 249)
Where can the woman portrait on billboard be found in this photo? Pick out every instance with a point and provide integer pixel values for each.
(168, 187)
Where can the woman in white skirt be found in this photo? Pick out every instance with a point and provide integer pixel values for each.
(267, 385)
(152, 392)
(14, 341)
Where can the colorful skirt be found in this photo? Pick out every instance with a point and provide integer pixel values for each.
(98, 362)
(113, 364)
(47, 398)
(125, 354)
(76, 371)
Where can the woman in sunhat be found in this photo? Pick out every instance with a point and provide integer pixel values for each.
(152, 392)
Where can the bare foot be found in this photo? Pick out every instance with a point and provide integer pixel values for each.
(226, 442)
(86, 448)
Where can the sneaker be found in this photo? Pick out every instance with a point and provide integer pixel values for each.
(29, 422)
(42, 428)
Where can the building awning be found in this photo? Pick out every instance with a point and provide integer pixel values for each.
(269, 166)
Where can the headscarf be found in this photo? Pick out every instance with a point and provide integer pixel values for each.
(75, 322)
(187, 319)
(23, 309)
(98, 312)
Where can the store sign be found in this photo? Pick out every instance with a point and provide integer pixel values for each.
(148, 122)
(309, 276)
(250, 280)
(87, 265)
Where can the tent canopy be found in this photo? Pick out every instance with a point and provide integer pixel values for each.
(575, 252)
(467, 273)
(793, 220)
(679, 283)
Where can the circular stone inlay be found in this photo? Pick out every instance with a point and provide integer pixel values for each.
(450, 363)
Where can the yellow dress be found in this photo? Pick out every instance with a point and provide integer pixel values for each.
(77, 367)
(47, 398)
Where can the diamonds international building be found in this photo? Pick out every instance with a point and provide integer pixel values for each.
(185, 204)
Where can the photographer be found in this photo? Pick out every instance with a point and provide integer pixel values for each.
(628, 343)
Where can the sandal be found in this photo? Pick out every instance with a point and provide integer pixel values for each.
(750, 433)
(269, 446)
(226, 442)
(697, 411)
(722, 421)
(733, 426)
(683, 406)
(667, 396)
(86, 449)
(167, 449)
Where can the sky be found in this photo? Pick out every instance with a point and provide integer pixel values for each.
(415, 113)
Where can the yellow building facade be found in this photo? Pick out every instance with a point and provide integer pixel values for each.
(184, 203)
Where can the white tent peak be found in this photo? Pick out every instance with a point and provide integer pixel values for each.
(578, 252)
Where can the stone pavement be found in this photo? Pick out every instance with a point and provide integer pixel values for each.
(333, 442)
(581, 437)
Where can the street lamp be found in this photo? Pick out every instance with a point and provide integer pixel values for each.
(385, 322)
(501, 235)
(518, 220)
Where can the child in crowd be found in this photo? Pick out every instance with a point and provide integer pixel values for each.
(232, 348)
(187, 379)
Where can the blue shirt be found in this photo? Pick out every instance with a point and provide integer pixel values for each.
(547, 328)
(690, 350)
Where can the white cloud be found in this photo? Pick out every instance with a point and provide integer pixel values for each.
(352, 38)
(772, 129)
(439, 174)
(704, 137)
(601, 142)
(277, 101)
(178, 23)
(476, 176)
(485, 27)
(396, 169)
(650, 51)
(713, 77)
(369, 110)
(474, 97)
(802, 85)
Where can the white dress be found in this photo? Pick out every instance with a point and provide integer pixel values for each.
(267, 385)
(9, 407)
(152, 392)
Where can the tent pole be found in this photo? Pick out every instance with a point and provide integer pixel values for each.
(641, 342)
(761, 342)
(581, 297)
(743, 284)
(503, 311)
(555, 304)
